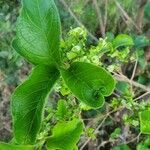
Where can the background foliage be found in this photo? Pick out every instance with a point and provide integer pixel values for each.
(117, 122)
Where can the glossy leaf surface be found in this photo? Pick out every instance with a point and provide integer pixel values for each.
(65, 135)
(28, 102)
(38, 32)
(89, 83)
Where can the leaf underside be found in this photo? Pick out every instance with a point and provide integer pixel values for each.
(28, 102)
(65, 135)
(89, 83)
(38, 32)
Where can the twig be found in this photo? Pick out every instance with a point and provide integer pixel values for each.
(136, 138)
(120, 77)
(77, 20)
(117, 95)
(95, 132)
(134, 70)
(105, 17)
(126, 15)
(101, 23)
(86, 2)
(105, 142)
(104, 117)
(125, 132)
(136, 84)
(141, 96)
(140, 14)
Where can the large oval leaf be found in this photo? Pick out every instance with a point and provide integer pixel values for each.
(65, 135)
(38, 32)
(28, 101)
(89, 83)
(5, 146)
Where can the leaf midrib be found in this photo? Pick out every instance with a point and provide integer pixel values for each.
(35, 114)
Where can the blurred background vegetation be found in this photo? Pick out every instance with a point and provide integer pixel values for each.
(101, 18)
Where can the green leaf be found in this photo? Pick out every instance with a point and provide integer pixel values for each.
(122, 86)
(116, 133)
(28, 101)
(62, 111)
(89, 83)
(141, 41)
(141, 58)
(5, 146)
(143, 79)
(38, 32)
(144, 145)
(4, 54)
(65, 135)
(145, 121)
(122, 40)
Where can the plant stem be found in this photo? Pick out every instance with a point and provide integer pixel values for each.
(121, 77)
(77, 20)
(101, 23)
